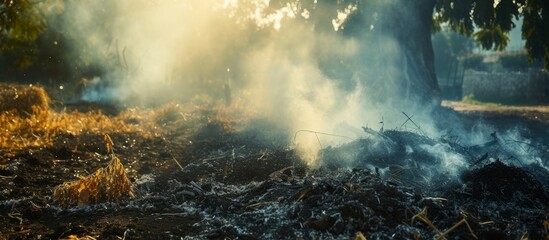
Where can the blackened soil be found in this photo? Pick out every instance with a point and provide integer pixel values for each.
(221, 184)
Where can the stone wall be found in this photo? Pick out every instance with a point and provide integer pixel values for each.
(531, 87)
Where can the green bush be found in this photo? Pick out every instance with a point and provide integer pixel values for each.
(471, 99)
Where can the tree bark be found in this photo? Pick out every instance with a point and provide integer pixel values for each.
(405, 75)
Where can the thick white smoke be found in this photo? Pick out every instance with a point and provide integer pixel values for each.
(278, 60)
(155, 51)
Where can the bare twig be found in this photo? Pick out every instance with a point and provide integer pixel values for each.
(436, 199)
(360, 236)
(178, 164)
(125, 60)
(125, 234)
(321, 133)
(423, 217)
(412, 121)
(524, 236)
(260, 204)
(16, 216)
(463, 221)
(442, 235)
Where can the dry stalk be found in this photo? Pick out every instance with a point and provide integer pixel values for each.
(75, 237)
(436, 199)
(178, 164)
(546, 228)
(360, 236)
(42, 127)
(423, 217)
(105, 185)
(524, 236)
(442, 235)
(261, 204)
(303, 193)
(463, 221)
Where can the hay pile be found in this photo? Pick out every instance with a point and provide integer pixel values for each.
(108, 184)
(27, 121)
(25, 100)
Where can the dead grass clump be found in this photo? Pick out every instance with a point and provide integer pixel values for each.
(39, 130)
(185, 119)
(42, 127)
(25, 100)
(168, 113)
(108, 184)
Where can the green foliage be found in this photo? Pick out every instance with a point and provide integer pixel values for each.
(470, 99)
(535, 29)
(494, 21)
(492, 38)
(20, 22)
(487, 21)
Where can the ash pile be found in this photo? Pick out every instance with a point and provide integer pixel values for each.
(393, 185)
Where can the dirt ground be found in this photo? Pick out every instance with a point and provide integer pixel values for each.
(537, 113)
(216, 182)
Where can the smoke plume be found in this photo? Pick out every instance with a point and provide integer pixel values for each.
(296, 65)
(150, 52)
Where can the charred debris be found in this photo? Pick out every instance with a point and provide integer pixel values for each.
(392, 184)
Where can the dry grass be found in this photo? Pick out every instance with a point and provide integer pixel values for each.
(27, 121)
(41, 128)
(186, 118)
(24, 100)
(109, 184)
(75, 237)
(422, 216)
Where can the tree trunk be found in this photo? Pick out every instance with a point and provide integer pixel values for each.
(404, 73)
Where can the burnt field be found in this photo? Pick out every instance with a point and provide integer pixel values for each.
(208, 172)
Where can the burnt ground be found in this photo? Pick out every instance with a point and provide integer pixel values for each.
(251, 184)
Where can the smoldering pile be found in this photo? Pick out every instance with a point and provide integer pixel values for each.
(394, 190)
(242, 185)
(413, 158)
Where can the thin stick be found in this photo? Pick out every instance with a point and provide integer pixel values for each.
(423, 217)
(178, 164)
(318, 139)
(260, 204)
(463, 221)
(321, 133)
(412, 121)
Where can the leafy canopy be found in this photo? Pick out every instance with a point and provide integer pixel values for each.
(488, 21)
(493, 19)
